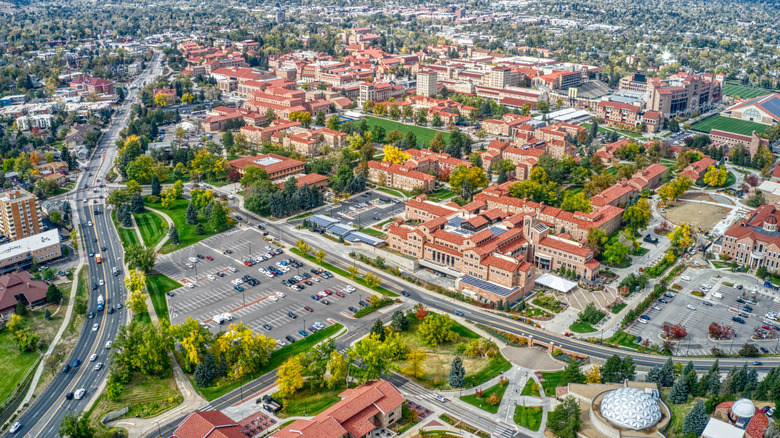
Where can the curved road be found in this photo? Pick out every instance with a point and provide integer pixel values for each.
(43, 417)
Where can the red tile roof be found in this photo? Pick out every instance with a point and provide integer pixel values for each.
(208, 424)
(20, 283)
(284, 163)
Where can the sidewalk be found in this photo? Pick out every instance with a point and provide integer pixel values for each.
(518, 377)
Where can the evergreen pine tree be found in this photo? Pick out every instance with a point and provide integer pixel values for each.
(208, 209)
(500, 304)
(696, 420)
(457, 372)
(173, 235)
(199, 230)
(688, 368)
(205, 371)
(691, 381)
(653, 375)
(752, 383)
(47, 314)
(127, 216)
(507, 307)
(156, 187)
(629, 369)
(137, 203)
(191, 214)
(666, 378)
(53, 294)
(572, 373)
(612, 371)
(222, 365)
(502, 176)
(21, 309)
(400, 321)
(378, 329)
(679, 393)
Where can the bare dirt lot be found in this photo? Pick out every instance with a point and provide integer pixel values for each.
(697, 215)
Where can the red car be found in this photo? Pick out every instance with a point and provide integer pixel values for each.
(309, 309)
(210, 258)
(339, 294)
(248, 263)
(328, 292)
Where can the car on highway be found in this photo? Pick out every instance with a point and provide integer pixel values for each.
(79, 394)
(440, 398)
(69, 396)
(459, 312)
(15, 427)
(109, 344)
(757, 363)
(95, 327)
(66, 368)
(76, 363)
(91, 315)
(93, 358)
(98, 366)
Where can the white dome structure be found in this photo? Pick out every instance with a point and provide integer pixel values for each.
(631, 408)
(743, 408)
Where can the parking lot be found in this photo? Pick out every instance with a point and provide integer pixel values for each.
(380, 207)
(719, 305)
(206, 294)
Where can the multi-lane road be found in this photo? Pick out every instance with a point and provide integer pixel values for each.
(46, 412)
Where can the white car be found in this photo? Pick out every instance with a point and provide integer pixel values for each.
(273, 298)
(642, 321)
(232, 269)
(211, 277)
(79, 394)
(109, 344)
(322, 294)
(441, 399)
(268, 248)
(316, 279)
(656, 307)
(95, 327)
(98, 366)
(280, 294)
(93, 358)
(685, 278)
(101, 282)
(15, 428)
(350, 288)
(691, 306)
(193, 259)
(191, 285)
(280, 343)
(708, 286)
(696, 263)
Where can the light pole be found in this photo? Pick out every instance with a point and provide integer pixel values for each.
(159, 432)
(304, 324)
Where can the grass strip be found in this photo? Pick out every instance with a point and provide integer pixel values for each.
(158, 285)
(529, 418)
(481, 402)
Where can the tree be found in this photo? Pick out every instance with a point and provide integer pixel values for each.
(173, 235)
(572, 373)
(206, 371)
(191, 215)
(334, 123)
(679, 392)
(377, 356)
(675, 332)
(21, 309)
(715, 177)
(593, 374)
(612, 371)
(629, 369)
(400, 322)
(638, 215)
(578, 202)
(467, 180)
(696, 420)
(378, 329)
(681, 237)
(372, 280)
(748, 350)
(457, 374)
(290, 376)
(140, 257)
(666, 374)
(227, 140)
(338, 368)
(156, 187)
(137, 203)
(218, 220)
(616, 252)
(53, 294)
(394, 154)
(320, 256)
(543, 106)
(564, 421)
(436, 329)
(415, 359)
(76, 426)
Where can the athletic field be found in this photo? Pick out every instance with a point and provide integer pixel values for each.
(423, 134)
(743, 92)
(729, 125)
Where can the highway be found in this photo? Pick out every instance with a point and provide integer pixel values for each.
(43, 417)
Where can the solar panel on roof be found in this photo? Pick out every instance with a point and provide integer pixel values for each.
(455, 221)
(773, 106)
(497, 231)
(488, 286)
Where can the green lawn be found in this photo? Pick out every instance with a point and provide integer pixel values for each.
(728, 124)
(440, 195)
(146, 396)
(743, 92)
(528, 389)
(481, 402)
(277, 358)
(550, 382)
(373, 232)
(153, 227)
(158, 285)
(581, 327)
(310, 401)
(187, 235)
(603, 130)
(126, 235)
(529, 418)
(393, 192)
(342, 272)
(496, 366)
(624, 339)
(14, 365)
(618, 307)
(423, 134)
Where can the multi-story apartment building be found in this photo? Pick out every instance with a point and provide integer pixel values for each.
(18, 214)
(427, 81)
(559, 80)
(753, 242)
(622, 114)
(731, 140)
(682, 94)
(279, 168)
(379, 92)
(498, 77)
(396, 175)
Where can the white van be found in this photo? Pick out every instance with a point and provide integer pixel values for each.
(219, 319)
(717, 295)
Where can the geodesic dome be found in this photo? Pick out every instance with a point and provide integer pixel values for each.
(630, 408)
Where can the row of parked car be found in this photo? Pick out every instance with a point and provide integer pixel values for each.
(272, 252)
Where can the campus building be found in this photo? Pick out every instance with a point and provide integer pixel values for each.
(21, 287)
(754, 241)
(762, 109)
(279, 168)
(427, 81)
(40, 248)
(362, 410)
(682, 94)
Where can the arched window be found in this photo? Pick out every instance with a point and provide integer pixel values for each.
(752, 115)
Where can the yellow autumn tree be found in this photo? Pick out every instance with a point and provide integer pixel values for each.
(415, 360)
(395, 154)
(290, 377)
(593, 375)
